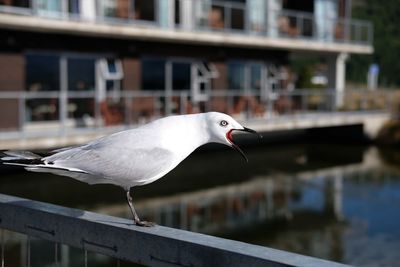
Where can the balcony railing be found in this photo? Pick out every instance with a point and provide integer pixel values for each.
(60, 113)
(203, 16)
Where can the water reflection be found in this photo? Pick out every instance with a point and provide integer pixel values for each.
(332, 202)
(347, 213)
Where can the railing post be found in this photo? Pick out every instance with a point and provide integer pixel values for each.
(228, 18)
(303, 101)
(168, 88)
(128, 110)
(157, 108)
(182, 103)
(269, 104)
(333, 102)
(357, 34)
(370, 33)
(22, 110)
(314, 29)
(299, 22)
(63, 97)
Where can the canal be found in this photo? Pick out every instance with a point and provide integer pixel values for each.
(331, 201)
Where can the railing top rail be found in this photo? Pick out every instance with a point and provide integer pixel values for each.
(119, 238)
(163, 93)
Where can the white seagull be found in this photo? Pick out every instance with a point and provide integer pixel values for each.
(137, 156)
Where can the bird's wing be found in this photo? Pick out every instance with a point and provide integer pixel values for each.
(126, 159)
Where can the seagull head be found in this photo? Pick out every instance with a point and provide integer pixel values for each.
(221, 128)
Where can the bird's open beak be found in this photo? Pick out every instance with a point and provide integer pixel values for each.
(236, 147)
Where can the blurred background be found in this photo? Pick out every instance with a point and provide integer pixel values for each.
(319, 79)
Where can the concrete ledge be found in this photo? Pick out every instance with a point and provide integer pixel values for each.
(372, 121)
(119, 238)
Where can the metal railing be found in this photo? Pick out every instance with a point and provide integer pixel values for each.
(293, 24)
(210, 16)
(120, 239)
(58, 113)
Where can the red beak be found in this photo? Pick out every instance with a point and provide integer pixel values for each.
(236, 147)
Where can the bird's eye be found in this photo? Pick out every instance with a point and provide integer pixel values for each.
(223, 123)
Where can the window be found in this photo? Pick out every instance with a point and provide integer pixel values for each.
(44, 71)
(48, 8)
(81, 74)
(257, 14)
(73, 6)
(245, 75)
(178, 12)
(42, 75)
(153, 74)
(236, 75)
(237, 18)
(227, 15)
(16, 3)
(81, 79)
(255, 76)
(295, 5)
(181, 75)
(116, 8)
(145, 10)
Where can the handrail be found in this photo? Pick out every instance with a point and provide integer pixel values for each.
(155, 246)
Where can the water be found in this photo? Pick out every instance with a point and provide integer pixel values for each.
(334, 202)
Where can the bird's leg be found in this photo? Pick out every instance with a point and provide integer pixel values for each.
(135, 216)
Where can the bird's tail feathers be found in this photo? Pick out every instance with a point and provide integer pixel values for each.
(34, 162)
(21, 158)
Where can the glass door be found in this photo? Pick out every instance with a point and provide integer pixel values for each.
(42, 78)
(81, 84)
(181, 76)
(255, 76)
(178, 82)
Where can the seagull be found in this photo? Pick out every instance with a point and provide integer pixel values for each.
(137, 156)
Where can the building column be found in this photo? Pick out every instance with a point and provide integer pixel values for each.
(274, 7)
(12, 79)
(166, 13)
(132, 82)
(337, 76)
(132, 73)
(220, 83)
(187, 19)
(88, 10)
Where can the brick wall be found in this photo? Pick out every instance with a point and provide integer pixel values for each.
(12, 78)
(132, 74)
(221, 82)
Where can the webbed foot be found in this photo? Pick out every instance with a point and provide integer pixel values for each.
(145, 223)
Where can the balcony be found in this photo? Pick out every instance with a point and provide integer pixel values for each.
(204, 22)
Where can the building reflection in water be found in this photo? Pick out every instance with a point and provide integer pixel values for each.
(258, 201)
(303, 213)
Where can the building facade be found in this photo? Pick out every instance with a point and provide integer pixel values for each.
(72, 64)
